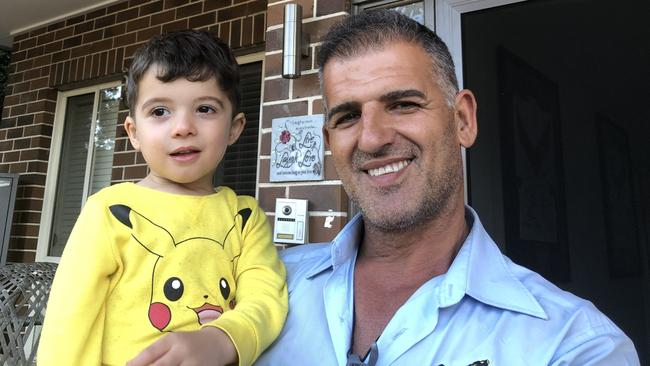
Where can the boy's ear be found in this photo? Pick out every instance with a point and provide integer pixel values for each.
(129, 126)
(236, 127)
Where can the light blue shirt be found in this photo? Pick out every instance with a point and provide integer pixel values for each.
(485, 308)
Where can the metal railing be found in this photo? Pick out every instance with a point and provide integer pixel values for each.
(24, 290)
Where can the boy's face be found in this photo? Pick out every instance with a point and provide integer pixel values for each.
(182, 129)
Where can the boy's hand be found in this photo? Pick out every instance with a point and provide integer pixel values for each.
(208, 346)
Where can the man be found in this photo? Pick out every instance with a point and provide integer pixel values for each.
(415, 279)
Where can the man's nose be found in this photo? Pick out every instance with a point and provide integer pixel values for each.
(184, 125)
(377, 130)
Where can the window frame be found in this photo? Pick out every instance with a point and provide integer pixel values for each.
(52, 175)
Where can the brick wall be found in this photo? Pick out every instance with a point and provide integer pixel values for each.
(284, 98)
(88, 49)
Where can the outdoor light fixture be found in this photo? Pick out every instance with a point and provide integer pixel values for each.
(294, 42)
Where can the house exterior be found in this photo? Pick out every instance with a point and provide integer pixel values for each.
(585, 225)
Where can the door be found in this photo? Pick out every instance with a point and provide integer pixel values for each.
(560, 173)
(8, 186)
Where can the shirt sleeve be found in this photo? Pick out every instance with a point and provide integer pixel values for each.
(261, 290)
(599, 345)
(74, 321)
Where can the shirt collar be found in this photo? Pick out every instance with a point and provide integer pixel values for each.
(343, 247)
(481, 271)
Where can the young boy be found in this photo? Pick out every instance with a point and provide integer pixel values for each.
(170, 255)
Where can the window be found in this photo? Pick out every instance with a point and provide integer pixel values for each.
(421, 11)
(238, 170)
(81, 160)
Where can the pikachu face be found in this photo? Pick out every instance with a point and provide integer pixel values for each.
(192, 281)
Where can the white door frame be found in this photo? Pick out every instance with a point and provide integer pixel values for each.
(447, 25)
(448, 28)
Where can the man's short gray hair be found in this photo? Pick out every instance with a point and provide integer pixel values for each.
(374, 30)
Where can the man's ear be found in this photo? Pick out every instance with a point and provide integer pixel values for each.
(465, 118)
(236, 127)
(326, 135)
(129, 126)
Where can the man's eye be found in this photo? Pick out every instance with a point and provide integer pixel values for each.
(159, 112)
(405, 105)
(206, 109)
(346, 119)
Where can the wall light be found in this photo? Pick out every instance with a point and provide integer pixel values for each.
(294, 44)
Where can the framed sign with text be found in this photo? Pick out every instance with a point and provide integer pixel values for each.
(297, 148)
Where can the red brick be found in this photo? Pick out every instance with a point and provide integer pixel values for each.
(105, 21)
(235, 34)
(259, 28)
(276, 89)
(189, 10)
(96, 14)
(64, 33)
(43, 118)
(125, 40)
(216, 4)
(75, 20)
(137, 24)
(117, 7)
(11, 157)
(18, 56)
(39, 83)
(127, 15)
(28, 43)
(18, 110)
(73, 41)
(103, 45)
(224, 32)
(247, 31)
(117, 174)
(135, 172)
(61, 56)
(146, 34)
(274, 40)
(177, 25)
(14, 256)
(202, 20)
(28, 97)
(322, 197)
(40, 141)
(151, 8)
(42, 61)
(267, 196)
(282, 110)
(242, 10)
(93, 36)
(175, 3)
(45, 38)
(164, 17)
(53, 47)
(25, 65)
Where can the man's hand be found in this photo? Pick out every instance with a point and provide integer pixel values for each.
(208, 346)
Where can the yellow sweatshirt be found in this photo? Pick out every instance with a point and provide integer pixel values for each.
(140, 263)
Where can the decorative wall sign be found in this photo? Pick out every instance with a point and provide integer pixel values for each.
(297, 148)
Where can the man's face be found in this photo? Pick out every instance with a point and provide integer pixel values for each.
(393, 138)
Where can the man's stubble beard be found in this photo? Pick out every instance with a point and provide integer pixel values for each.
(438, 196)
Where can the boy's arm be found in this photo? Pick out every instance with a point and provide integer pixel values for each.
(261, 292)
(74, 321)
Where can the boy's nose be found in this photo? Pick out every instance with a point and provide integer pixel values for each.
(184, 126)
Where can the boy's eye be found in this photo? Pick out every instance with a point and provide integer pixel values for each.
(206, 109)
(159, 112)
